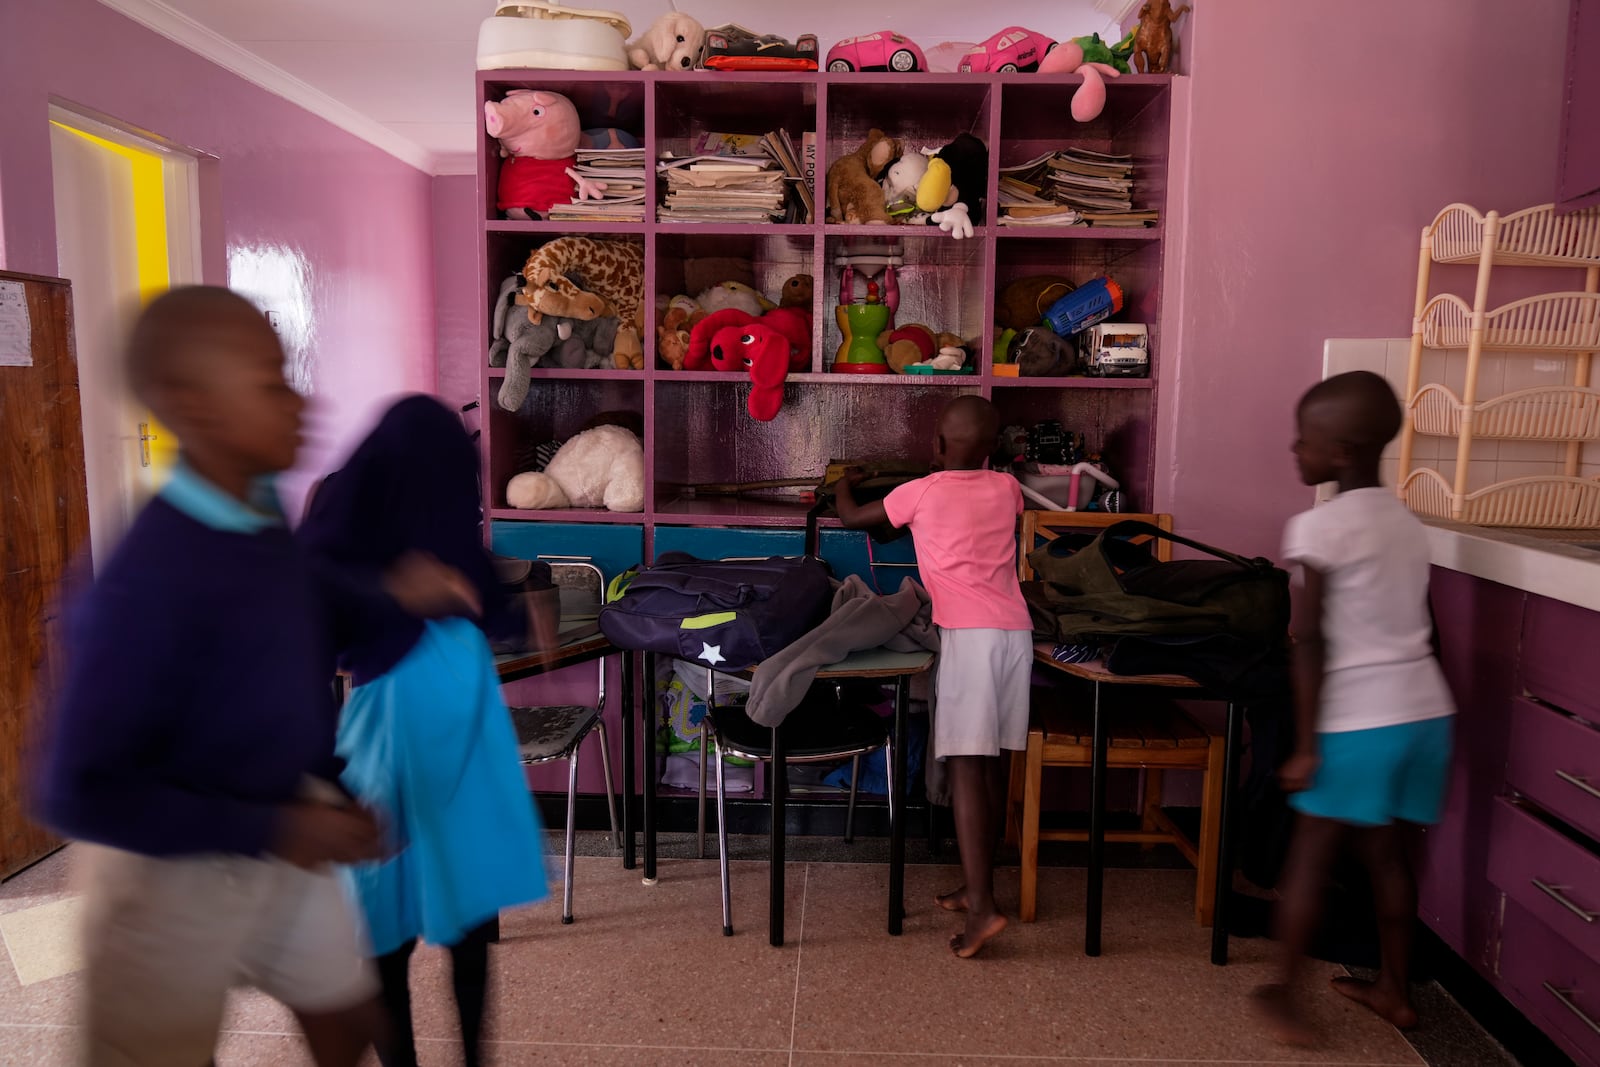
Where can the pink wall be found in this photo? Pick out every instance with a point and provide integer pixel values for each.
(1321, 139)
(455, 285)
(305, 208)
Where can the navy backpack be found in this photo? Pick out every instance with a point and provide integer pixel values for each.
(722, 613)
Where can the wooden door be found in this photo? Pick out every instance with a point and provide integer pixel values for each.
(44, 524)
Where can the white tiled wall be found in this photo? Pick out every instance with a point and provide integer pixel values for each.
(1498, 373)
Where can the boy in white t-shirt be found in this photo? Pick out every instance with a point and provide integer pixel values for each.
(964, 519)
(1373, 714)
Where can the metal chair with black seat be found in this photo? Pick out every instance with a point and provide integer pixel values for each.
(826, 726)
(547, 734)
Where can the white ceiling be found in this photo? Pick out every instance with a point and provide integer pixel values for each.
(399, 73)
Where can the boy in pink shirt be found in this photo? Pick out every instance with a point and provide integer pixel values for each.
(964, 520)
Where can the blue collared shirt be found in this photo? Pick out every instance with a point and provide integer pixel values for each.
(210, 506)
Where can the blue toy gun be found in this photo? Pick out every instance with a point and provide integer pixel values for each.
(1092, 302)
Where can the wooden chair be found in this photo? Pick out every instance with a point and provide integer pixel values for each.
(1156, 737)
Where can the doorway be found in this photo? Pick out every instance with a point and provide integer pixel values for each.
(127, 229)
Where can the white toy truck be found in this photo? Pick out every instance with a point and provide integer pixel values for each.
(1117, 350)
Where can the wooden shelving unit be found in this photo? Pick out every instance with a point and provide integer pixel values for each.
(1564, 324)
(696, 427)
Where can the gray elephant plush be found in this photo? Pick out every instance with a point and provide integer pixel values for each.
(519, 345)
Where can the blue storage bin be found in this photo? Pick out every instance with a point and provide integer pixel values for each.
(727, 542)
(882, 567)
(612, 548)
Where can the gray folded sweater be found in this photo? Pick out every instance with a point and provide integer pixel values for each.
(859, 620)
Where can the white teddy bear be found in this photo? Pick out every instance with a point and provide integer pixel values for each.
(602, 467)
(672, 43)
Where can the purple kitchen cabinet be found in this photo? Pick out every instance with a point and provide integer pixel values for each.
(1555, 986)
(1555, 762)
(1558, 646)
(1479, 626)
(1552, 877)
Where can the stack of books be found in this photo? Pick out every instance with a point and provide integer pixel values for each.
(1074, 186)
(737, 178)
(622, 170)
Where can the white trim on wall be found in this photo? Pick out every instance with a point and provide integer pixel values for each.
(184, 31)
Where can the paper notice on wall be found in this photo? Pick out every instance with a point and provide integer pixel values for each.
(16, 332)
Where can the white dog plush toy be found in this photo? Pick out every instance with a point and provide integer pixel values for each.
(672, 43)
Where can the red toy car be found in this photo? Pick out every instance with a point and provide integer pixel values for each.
(733, 47)
(881, 51)
(1012, 49)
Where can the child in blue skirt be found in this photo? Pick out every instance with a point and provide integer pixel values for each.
(425, 732)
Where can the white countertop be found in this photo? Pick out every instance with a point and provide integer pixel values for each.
(1533, 560)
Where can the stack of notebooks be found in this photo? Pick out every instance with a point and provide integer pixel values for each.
(622, 169)
(1071, 187)
(736, 178)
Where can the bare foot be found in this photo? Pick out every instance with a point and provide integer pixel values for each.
(955, 900)
(979, 929)
(1276, 1009)
(1394, 1009)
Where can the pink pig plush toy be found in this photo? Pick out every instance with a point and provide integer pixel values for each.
(539, 132)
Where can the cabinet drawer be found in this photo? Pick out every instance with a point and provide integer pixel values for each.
(728, 542)
(1555, 761)
(1555, 986)
(1555, 879)
(611, 548)
(1557, 648)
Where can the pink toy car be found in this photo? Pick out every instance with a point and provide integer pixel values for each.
(1012, 49)
(881, 51)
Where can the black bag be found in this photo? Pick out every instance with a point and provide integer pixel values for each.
(733, 612)
(1113, 589)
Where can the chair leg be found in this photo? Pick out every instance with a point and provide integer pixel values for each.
(700, 823)
(722, 843)
(1210, 843)
(572, 833)
(611, 790)
(1028, 905)
(850, 810)
(1019, 764)
(1152, 803)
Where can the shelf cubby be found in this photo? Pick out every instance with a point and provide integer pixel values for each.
(1117, 423)
(941, 284)
(704, 434)
(555, 409)
(1036, 117)
(688, 261)
(602, 98)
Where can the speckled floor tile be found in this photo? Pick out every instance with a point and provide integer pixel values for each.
(1153, 994)
(37, 1046)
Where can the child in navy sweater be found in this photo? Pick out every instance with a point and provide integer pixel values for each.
(194, 743)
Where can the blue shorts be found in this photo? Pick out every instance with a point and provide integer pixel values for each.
(1375, 777)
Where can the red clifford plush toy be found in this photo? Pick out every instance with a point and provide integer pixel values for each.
(768, 346)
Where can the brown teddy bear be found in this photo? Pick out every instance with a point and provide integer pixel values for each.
(1022, 303)
(854, 195)
(796, 292)
(914, 343)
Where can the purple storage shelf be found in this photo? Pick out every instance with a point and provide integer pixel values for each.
(568, 515)
(696, 426)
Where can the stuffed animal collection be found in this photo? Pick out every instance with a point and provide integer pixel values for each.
(612, 273)
(519, 343)
(677, 316)
(539, 134)
(887, 180)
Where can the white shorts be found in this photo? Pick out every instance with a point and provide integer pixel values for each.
(981, 692)
(165, 939)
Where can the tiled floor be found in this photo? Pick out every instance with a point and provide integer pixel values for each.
(644, 977)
